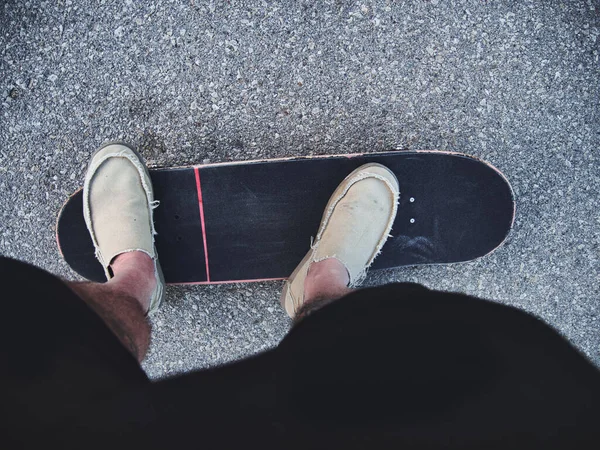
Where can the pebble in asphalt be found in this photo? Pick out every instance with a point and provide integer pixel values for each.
(514, 83)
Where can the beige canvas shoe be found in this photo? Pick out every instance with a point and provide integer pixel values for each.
(117, 204)
(356, 223)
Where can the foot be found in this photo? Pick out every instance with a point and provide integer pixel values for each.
(118, 202)
(356, 223)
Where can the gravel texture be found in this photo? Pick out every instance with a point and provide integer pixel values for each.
(187, 81)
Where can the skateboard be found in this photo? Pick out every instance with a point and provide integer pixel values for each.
(253, 220)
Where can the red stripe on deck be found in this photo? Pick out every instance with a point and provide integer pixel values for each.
(254, 280)
(201, 206)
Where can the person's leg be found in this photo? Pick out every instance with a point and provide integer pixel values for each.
(67, 348)
(122, 302)
(118, 202)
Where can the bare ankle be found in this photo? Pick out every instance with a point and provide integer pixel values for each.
(136, 260)
(327, 279)
(134, 276)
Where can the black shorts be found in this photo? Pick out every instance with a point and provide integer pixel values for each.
(397, 366)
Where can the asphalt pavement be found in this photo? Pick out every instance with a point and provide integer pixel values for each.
(189, 81)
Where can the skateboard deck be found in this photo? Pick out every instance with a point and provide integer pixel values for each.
(253, 220)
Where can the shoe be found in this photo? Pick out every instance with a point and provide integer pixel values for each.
(117, 202)
(356, 223)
